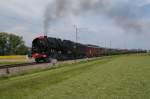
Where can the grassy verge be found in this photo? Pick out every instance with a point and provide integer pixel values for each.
(47, 69)
(124, 77)
(16, 59)
(11, 63)
(13, 57)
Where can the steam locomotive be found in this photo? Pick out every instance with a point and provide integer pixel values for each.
(46, 48)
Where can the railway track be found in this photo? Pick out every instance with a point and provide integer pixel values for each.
(19, 65)
(31, 63)
(15, 68)
(18, 68)
(16, 65)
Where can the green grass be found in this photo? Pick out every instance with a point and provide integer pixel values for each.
(118, 77)
(13, 57)
(10, 63)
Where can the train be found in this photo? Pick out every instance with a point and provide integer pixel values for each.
(46, 48)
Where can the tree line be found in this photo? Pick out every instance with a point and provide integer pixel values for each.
(11, 44)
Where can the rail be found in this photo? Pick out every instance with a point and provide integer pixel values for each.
(15, 68)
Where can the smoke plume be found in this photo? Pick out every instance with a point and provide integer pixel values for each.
(124, 14)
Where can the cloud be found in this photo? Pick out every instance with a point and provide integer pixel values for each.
(115, 20)
(125, 14)
(144, 2)
(25, 33)
(25, 8)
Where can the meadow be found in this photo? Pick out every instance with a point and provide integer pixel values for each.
(13, 59)
(116, 77)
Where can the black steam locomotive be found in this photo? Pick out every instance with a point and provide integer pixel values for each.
(46, 48)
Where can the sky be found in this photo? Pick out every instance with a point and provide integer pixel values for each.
(107, 23)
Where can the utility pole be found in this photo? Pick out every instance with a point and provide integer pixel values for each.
(105, 48)
(76, 32)
(110, 44)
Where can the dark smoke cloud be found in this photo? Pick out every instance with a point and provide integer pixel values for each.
(61, 8)
(124, 14)
(127, 17)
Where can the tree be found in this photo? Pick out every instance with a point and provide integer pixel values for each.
(11, 44)
(3, 43)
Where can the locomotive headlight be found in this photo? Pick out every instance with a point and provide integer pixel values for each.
(44, 56)
(36, 54)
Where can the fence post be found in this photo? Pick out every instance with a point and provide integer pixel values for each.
(7, 70)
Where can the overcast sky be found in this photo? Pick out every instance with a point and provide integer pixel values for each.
(115, 23)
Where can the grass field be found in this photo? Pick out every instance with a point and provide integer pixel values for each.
(10, 63)
(16, 59)
(118, 77)
(13, 57)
